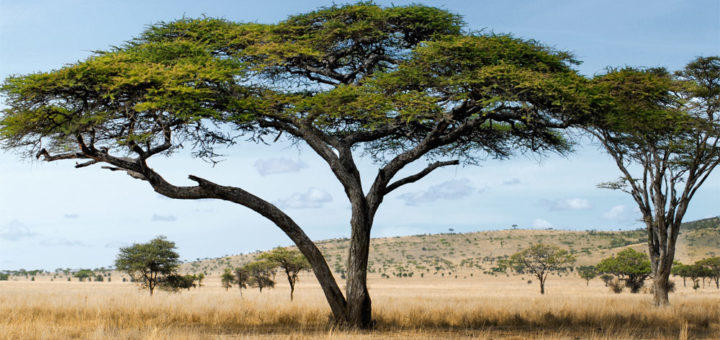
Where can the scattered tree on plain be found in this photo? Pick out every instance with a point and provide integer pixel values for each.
(630, 266)
(667, 126)
(292, 262)
(83, 274)
(606, 278)
(712, 268)
(227, 278)
(242, 278)
(541, 260)
(587, 273)
(262, 274)
(402, 83)
(150, 263)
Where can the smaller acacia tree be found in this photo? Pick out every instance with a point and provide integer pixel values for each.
(682, 270)
(227, 279)
(149, 263)
(242, 278)
(712, 268)
(587, 273)
(630, 266)
(540, 260)
(290, 261)
(83, 274)
(262, 274)
(606, 278)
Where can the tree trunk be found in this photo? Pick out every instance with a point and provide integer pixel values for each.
(660, 291)
(359, 313)
(542, 285)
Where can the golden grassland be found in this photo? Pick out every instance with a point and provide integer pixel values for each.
(420, 308)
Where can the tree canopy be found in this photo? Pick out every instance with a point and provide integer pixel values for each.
(540, 260)
(628, 265)
(292, 262)
(149, 263)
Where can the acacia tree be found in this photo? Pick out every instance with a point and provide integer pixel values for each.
(292, 262)
(149, 263)
(401, 84)
(242, 278)
(541, 260)
(262, 274)
(712, 267)
(227, 279)
(630, 266)
(668, 128)
(587, 273)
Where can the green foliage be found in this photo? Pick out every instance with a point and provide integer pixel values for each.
(4, 276)
(262, 274)
(292, 262)
(83, 274)
(541, 260)
(587, 273)
(227, 278)
(629, 265)
(149, 263)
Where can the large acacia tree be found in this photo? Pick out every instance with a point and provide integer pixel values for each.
(663, 131)
(401, 84)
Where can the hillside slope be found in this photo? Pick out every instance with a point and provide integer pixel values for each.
(477, 253)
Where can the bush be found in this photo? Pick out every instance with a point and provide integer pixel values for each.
(616, 286)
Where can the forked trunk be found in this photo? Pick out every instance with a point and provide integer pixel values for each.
(660, 290)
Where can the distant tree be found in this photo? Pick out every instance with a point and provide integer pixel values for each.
(292, 262)
(175, 282)
(262, 274)
(663, 132)
(149, 263)
(630, 266)
(99, 278)
(681, 270)
(83, 274)
(541, 260)
(200, 277)
(712, 268)
(227, 279)
(587, 273)
(242, 278)
(4, 276)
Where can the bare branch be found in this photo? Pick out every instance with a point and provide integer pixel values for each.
(419, 175)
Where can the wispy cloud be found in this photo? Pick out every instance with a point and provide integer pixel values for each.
(618, 212)
(539, 223)
(71, 216)
(271, 166)
(62, 242)
(449, 190)
(571, 204)
(163, 218)
(15, 231)
(313, 198)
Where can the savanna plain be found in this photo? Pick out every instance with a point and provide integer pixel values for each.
(448, 297)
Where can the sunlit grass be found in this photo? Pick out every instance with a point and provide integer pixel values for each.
(485, 307)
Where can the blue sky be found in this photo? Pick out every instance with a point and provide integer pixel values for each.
(52, 215)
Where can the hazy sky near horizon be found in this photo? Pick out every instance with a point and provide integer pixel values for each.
(53, 215)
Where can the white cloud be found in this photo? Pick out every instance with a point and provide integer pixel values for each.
(571, 204)
(15, 231)
(450, 190)
(71, 216)
(313, 198)
(163, 218)
(271, 166)
(539, 223)
(618, 212)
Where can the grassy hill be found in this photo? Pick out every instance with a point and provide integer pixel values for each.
(469, 254)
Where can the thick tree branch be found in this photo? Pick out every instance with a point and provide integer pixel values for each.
(419, 175)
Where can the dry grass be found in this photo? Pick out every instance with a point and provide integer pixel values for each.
(482, 308)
